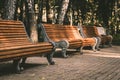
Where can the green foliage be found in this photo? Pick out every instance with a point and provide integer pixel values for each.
(116, 39)
(87, 12)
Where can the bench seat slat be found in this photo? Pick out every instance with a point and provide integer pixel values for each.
(25, 49)
(23, 45)
(24, 54)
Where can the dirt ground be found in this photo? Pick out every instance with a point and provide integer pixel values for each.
(100, 65)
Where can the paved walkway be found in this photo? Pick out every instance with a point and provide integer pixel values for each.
(100, 65)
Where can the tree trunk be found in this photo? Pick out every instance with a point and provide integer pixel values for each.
(49, 11)
(40, 11)
(16, 16)
(62, 12)
(31, 20)
(1, 8)
(22, 10)
(9, 9)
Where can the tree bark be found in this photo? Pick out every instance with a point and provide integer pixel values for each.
(31, 20)
(62, 12)
(9, 9)
(48, 10)
(40, 11)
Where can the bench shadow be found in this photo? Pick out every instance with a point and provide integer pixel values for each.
(7, 68)
(58, 54)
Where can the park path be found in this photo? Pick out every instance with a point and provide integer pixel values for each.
(100, 65)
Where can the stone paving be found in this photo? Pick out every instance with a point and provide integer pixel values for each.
(100, 65)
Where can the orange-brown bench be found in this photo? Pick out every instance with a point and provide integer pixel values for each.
(93, 31)
(16, 45)
(89, 32)
(106, 38)
(68, 35)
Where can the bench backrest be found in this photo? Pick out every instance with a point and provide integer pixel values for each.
(90, 31)
(101, 30)
(57, 32)
(12, 31)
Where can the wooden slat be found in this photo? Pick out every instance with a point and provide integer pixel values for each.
(15, 43)
(24, 49)
(25, 54)
(23, 45)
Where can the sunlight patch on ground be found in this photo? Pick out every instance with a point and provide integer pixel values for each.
(104, 54)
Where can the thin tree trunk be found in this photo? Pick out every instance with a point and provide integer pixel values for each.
(1, 8)
(21, 17)
(48, 10)
(62, 12)
(9, 9)
(16, 16)
(31, 20)
(40, 11)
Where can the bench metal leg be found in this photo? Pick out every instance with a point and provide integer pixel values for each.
(81, 50)
(63, 44)
(98, 43)
(110, 43)
(64, 50)
(94, 46)
(23, 63)
(49, 58)
(16, 64)
(110, 40)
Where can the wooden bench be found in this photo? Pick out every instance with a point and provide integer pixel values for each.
(92, 31)
(106, 38)
(69, 35)
(16, 45)
(89, 32)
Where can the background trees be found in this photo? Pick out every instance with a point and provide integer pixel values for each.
(87, 12)
(62, 11)
(31, 21)
(9, 9)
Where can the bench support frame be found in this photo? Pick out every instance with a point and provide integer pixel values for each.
(63, 44)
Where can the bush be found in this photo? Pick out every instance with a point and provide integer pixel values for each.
(116, 39)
